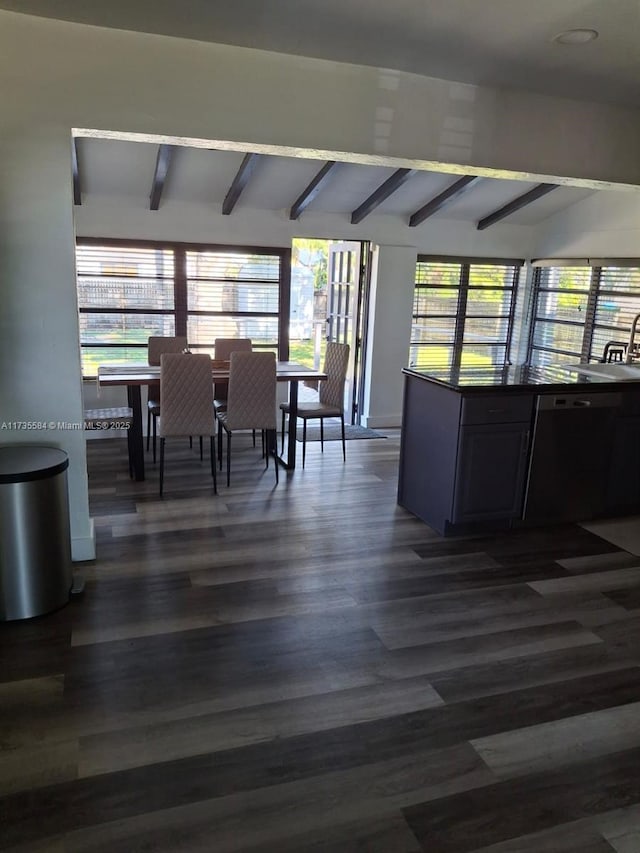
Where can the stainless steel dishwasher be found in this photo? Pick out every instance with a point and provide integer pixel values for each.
(570, 456)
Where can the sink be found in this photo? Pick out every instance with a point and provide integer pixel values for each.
(614, 371)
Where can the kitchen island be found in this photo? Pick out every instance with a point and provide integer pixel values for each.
(486, 449)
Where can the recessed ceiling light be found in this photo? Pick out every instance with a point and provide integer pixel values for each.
(576, 36)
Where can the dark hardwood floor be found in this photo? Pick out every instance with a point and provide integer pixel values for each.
(307, 667)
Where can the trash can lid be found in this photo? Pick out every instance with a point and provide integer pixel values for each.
(20, 463)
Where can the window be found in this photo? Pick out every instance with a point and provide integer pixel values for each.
(580, 307)
(463, 312)
(232, 295)
(124, 296)
(128, 292)
(616, 304)
(561, 295)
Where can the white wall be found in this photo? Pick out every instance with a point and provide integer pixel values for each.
(392, 283)
(601, 225)
(132, 82)
(55, 76)
(126, 217)
(39, 354)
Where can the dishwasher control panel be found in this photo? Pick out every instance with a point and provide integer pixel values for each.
(557, 402)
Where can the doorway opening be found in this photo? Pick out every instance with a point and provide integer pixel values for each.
(329, 302)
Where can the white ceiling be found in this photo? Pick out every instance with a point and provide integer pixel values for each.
(199, 176)
(505, 43)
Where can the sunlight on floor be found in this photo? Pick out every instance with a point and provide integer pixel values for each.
(623, 532)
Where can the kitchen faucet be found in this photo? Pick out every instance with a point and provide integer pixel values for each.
(632, 334)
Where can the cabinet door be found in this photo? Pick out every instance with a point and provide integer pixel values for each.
(490, 471)
(623, 486)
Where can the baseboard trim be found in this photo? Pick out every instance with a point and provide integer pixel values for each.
(84, 548)
(382, 421)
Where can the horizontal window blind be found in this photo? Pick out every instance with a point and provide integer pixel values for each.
(617, 303)
(579, 310)
(435, 312)
(489, 314)
(231, 295)
(124, 296)
(128, 292)
(462, 313)
(561, 297)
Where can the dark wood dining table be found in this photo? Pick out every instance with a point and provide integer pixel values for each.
(134, 376)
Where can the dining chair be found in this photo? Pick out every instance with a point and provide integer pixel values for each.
(156, 346)
(251, 402)
(187, 402)
(223, 347)
(330, 397)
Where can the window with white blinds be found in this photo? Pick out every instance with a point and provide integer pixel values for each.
(462, 312)
(580, 310)
(232, 295)
(128, 292)
(616, 304)
(561, 296)
(125, 294)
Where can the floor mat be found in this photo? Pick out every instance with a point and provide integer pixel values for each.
(332, 432)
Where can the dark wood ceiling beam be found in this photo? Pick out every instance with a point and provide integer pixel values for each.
(163, 161)
(517, 204)
(399, 177)
(310, 192)
(458, 188)
(77, 187)
(247, 167)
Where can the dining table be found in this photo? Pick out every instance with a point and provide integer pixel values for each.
(135, 376)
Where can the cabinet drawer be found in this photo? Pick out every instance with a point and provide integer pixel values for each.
(497, 409)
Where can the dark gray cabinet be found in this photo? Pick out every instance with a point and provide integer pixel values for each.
(623, 486)
(474, 459)
(490, 472)
(463, 457)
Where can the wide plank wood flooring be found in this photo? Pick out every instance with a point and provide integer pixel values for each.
(308, 667)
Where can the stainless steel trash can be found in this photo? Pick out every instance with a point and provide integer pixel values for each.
(35, 542)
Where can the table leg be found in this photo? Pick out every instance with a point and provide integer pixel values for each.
(136, 445)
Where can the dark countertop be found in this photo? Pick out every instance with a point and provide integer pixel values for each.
(520, 378)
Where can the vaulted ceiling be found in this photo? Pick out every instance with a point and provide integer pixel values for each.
(157, 175)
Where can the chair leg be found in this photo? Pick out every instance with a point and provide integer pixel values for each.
(190, 442)
(148, 428)
(254, 440)
(344, 444)
(304, 440)
(265, 435)
(220, 444)
(283, 430)
(321, 435)
(272, 442)
(161, 464)
(201, 457)
(228, 458)
(155, 431)
(212, 454)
